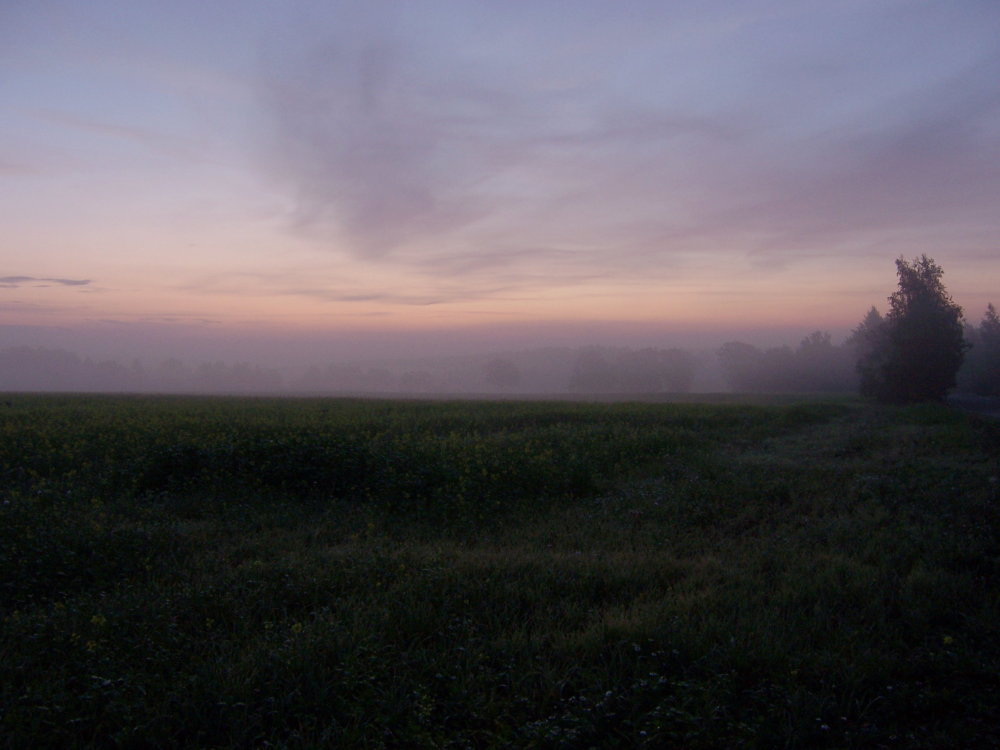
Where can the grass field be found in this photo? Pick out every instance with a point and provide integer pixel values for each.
(346, 573)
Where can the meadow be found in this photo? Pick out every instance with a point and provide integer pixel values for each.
(243, 573)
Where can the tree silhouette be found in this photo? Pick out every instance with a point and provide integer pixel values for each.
(981, 372)
(655, 370)
(815, 366)
(821, 366)
(871, 348)
(743, 366)
(914, 353)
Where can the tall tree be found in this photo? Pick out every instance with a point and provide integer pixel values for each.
(870, 343)
(914, 353)
(989, 327)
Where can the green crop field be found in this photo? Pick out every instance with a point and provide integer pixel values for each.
(244, 573)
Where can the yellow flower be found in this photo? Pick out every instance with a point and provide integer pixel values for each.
(99, 620)
(947, 640)
(297, 628)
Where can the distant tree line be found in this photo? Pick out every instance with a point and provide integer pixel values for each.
(600, 370)
(980, 373)
(24, 368)
(919, 350)
(344, 377)
(815, 366)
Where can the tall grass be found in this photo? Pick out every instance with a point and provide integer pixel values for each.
(250, 573)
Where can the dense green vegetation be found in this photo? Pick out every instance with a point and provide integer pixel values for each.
(300, 573)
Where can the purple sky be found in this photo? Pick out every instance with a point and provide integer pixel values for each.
(374, 176)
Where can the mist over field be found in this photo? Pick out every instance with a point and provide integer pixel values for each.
(581, 360)
(923, 326)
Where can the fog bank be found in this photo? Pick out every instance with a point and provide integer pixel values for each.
(274, 347)
(815, 364)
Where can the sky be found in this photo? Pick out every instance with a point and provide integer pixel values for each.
(291, 180)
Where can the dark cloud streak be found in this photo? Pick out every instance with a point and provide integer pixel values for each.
(15, 282)
(380, 152)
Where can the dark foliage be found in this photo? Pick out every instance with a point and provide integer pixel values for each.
(914, 353)
(816, 366)
(24, 368)
(656, 370)
(980, 373)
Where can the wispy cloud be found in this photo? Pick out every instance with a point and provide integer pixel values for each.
(746, 140)
(383, 152)
(161, 143)
(367, 156)
(14, 282)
